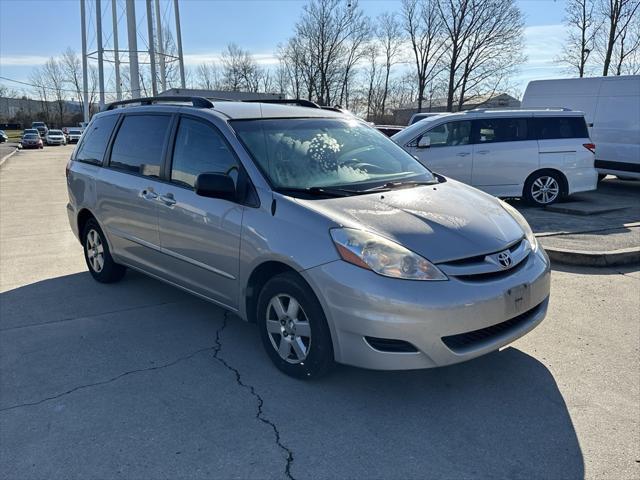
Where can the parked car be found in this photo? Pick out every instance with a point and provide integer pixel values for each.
(28, 131)
(31, 140)
(55, 137)
(540, 155)
(612, 109)
(389, 130)
(3, 136)
(416, 117)
(336, 242)
(74, 135)
(41, 127)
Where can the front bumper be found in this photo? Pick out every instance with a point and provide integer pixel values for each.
(358, 304)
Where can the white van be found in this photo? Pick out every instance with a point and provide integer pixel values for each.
(540, 155)
(611, 106)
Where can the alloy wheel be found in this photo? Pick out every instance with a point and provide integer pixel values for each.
(288, 328)
(545, 189)
(95, 251)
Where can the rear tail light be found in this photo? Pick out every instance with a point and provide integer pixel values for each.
(590, 146)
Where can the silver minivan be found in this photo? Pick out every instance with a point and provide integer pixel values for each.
(336, 242)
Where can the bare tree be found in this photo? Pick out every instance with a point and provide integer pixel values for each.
(583, 23)
(207, 76)
(620, 20)
(39, 82)
(72, 74)
(389, 36)
(424, 27)
(484, 45)
(626, 56)
(239, 70)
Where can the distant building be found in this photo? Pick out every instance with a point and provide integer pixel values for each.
(221, 94)
(402, 115)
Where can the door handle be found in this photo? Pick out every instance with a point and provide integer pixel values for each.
(463, 154)
(148, 194)
(168, 199)
(482, 152)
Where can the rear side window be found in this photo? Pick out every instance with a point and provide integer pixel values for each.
(139, 143)
(95, 140)
(493, 130)
(550, 128)
(200, 148)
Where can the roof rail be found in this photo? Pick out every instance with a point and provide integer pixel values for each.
(198, 102)
(498, 109)
(286, 101)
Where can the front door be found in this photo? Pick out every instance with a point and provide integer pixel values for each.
(199, 236)
(447, 151)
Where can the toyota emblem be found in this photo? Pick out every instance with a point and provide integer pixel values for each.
(504, 259)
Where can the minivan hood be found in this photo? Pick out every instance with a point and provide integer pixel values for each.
(442, 222)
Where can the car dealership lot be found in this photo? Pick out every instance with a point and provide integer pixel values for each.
(141, 380)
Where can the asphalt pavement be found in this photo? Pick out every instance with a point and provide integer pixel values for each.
(140, 380)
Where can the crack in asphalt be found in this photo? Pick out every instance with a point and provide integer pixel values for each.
(110, 380)
(259, 413)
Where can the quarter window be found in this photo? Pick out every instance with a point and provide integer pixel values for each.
(493, 130)
(551, 128)
(448, 134)
(139, 143)
(200, 148)
(95, 140)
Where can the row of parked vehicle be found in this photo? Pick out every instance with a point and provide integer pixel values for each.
(40, 135)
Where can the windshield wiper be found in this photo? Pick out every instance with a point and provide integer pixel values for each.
(319, 191)
(391, 185)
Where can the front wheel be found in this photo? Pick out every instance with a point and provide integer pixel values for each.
(97, 255)
(543, 188)
(293, 328)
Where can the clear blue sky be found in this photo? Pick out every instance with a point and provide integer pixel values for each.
(208, 26)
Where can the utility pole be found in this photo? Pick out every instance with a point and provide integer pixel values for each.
(116, 53)
(85, 80)
(100, 52)
(160, 48)
(133, 49)
(179, 40)
(152, 50)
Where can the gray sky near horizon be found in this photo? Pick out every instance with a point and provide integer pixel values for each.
(31, 31)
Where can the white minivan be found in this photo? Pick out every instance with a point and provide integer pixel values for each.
(540, 155)
(611, 106)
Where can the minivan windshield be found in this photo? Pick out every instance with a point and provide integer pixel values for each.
(317, 153)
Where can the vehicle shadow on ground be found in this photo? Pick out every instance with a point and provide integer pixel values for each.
(500, 416)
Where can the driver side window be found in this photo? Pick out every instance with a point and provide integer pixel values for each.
(200, 148)
(448, 134)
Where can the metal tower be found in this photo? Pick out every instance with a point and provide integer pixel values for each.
(163, 47)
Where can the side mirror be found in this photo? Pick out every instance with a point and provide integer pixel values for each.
(424, 142)
(215, 185)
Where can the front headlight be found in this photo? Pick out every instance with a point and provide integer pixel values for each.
(517, 216)
(383, 256)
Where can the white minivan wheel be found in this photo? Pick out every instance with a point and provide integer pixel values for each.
(543, 188)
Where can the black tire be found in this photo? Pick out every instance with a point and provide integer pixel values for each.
(109, 271)
(319, 359)
(538, 180)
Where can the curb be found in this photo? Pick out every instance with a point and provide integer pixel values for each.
(613, 258)
(6, 157)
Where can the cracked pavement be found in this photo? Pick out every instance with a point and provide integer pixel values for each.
(140, 380)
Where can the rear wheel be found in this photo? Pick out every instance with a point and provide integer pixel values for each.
(97, 255)
(543, 188)
(293, 328)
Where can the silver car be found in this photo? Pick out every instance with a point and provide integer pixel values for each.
(337, 243)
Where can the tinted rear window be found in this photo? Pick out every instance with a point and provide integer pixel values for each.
(550, 128)
(139, 143)
(94, 144)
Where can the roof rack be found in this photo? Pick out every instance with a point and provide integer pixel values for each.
(286, 101)
(498, 109)
(198, 102)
